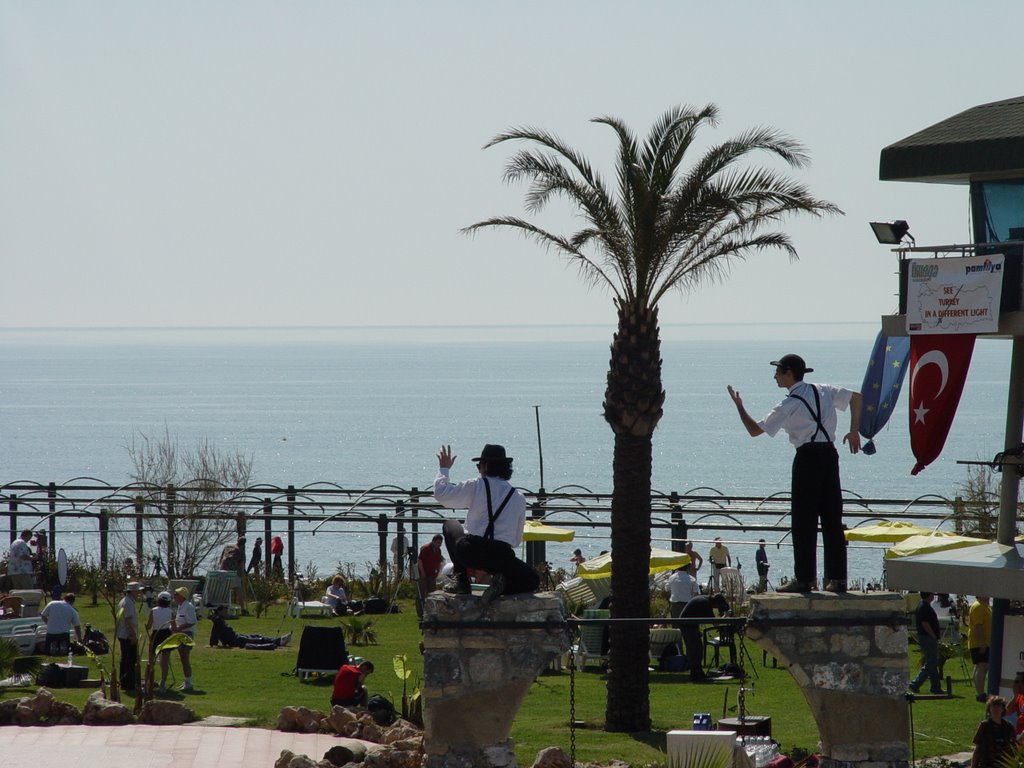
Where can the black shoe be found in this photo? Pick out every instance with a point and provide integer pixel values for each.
(836, 585)
(460, 587)
(794, 585)
(982, 697)
(495, 590)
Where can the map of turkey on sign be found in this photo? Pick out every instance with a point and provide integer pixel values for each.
(964, 310)
(954, 295)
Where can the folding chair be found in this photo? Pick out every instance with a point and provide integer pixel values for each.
(321, 651)
(218, 590)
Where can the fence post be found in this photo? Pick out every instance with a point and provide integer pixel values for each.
(415, 526)
(140, 523)
(12, 505)
(291, 533)
(104, 535)
(382, 540)
(400, 539)
(536, 551)
(171, 566)
(678, 524)
(268, 511)
(51, 494)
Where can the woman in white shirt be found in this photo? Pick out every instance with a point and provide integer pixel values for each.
(158, 625)
(336, 597)
(185, 622)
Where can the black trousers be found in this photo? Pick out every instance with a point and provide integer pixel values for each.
(817, 495)
(126, 668)
(470, 551)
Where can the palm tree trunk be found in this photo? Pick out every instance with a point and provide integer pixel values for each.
(627, 707)
(632, 407)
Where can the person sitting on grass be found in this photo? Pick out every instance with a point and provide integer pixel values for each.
(221, 633)
(336, 597)
(348, 685)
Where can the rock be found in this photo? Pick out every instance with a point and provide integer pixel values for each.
(338, 720)
(101, 711)
(385, 756)
(339, 755)
(7, 710)
(370, 732)
(160, 712)
(301, 719)
(414, 744)
(399, 731)
(552, 757)
(289, 759)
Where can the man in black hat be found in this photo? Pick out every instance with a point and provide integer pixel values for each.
(495, 515)
(808, 415)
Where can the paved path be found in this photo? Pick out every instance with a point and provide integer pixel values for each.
(152, 746)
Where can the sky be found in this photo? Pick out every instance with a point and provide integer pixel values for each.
(312, 163)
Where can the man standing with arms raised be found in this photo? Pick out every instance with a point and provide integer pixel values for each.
(495, 515)
(808, 415)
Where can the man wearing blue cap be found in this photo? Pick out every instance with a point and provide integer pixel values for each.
(808, 415)
(495, 516)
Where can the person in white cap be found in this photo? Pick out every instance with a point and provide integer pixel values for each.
(127, 632)
(185, 620)
(808, 415)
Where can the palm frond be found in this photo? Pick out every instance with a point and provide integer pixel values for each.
(588, 268)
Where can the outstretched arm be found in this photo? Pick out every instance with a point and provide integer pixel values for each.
(853, 436)
(752, 428)
(445, 457)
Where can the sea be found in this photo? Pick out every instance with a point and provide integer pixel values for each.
(366, 406)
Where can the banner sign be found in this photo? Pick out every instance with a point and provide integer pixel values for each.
(956, 295)
(938, 370)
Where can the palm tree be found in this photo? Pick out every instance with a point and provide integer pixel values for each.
(664, 227)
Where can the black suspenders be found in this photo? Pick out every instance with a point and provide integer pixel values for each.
(816, 415)
(491, 514)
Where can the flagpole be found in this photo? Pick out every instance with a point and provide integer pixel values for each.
(540, 450)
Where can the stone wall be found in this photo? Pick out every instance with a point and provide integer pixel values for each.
(848, 654)
(478, 664)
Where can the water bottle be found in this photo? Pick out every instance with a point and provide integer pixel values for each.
(71, 658)
(696, 722)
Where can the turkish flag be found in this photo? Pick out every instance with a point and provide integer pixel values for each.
(938, 370)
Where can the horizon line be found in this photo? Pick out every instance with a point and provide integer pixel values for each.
(732, 324)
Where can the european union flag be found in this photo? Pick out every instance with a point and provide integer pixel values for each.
(881, 388)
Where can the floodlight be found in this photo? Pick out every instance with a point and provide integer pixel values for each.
(891, 232)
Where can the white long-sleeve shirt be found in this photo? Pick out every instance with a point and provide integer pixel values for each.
(472, 496)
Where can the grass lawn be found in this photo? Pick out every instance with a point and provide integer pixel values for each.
(257, 684)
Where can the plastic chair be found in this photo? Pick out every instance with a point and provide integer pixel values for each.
(591, 637)
(724, 637)
(662, 638)
(732, 586)
(12, 607)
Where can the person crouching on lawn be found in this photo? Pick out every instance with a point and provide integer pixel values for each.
(348, 685)
(221, 633)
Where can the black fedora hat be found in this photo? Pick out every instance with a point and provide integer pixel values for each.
(793, 363)
(493, 453)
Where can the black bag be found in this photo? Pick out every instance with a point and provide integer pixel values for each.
(375, 605)
(381, 709)
(51, 676)
(95, 641)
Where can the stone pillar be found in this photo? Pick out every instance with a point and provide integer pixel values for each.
(848, 654)
(478, 664)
